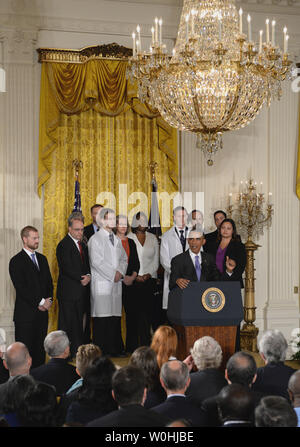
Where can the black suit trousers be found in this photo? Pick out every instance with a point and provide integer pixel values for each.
(32, 334)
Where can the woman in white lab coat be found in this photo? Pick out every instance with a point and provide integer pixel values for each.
(108, 262)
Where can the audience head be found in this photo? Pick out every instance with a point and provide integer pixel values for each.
(85, 355)
(180, 216)
(97, 384)
(219, 216)
(95, 209)
(241, 368)
(17, 359)
(235, 403)
(174, 376)
(273, 346)
(145, 359)
(39, 407)
(57, 344)
(129, 386)
(275, 411)
(294, 388)
(206, 353)
(17, 388)
(30, 238)
(179, 423)
(164, 343)
(76, 225)
(139, 222)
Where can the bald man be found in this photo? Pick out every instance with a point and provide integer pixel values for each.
(294, 393)
(196, 265)
(18, 362)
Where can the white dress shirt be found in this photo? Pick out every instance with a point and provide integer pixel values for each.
(148, 254)
(41, 303)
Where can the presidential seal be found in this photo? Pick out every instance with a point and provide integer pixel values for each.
(213, 299)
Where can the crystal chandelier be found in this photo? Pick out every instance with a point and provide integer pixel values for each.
(217, 78)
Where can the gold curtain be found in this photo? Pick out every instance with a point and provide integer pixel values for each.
(90, 112)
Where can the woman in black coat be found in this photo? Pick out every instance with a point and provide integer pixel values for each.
(128, 297)
(229, 247)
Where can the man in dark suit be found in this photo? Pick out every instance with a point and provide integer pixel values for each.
(73, 283)
(129, 390)
(91, 229)
(175, 379)
(194, 265)
(241, 369)
(211, 238)
(31, 277)
(57, 372)
(17, 363)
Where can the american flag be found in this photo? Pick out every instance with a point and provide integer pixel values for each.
(77, 201)
(154, 218)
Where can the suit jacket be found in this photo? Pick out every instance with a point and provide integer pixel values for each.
(182, 266)
(273, 379)
(180, 407)
(133, 260)
(71, 269)
(57, 372)
(88, 231)
(30, 283)
(236, 251)
(205, 383)
(130, 416)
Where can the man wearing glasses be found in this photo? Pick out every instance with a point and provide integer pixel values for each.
(73, 291)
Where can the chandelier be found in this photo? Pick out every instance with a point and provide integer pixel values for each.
(217, 78)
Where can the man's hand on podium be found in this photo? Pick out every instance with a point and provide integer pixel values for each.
(182, 283)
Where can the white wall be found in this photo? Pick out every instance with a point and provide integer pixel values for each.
(265, 150)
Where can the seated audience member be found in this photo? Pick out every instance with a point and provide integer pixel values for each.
(17, 388)
(208, 380)
(18, 362)
(175, 379)
(85, 355)
(164, 344)
(273, 378)
(129, 391)
(94, 398)
(240, 368)
(39, 407)
(57, 371)
(4, 375)
(294, 393)
(275, 411)
(235, 406)
(145, 359)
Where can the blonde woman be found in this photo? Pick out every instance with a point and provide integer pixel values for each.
(164, 343)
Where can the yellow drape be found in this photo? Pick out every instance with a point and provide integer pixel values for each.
(91, 112)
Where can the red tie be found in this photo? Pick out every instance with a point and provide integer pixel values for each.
(81, 251)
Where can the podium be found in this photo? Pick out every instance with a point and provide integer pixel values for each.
(206, 308)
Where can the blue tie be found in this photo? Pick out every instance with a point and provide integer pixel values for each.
(197, 267)
(34, 260)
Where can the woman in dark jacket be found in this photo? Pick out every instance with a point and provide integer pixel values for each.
(229, 247)
(129, 298)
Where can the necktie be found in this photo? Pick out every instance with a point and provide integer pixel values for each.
(34, 260)
(182, 240)
(81, 250)
(111, 238)
(197, 267)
